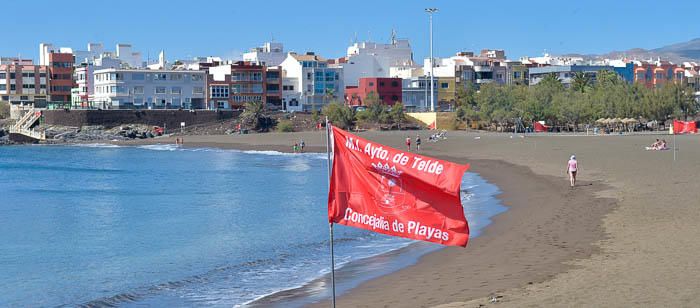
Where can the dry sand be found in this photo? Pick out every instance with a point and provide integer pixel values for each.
(626, 236)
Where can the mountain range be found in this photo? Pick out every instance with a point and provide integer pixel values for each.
(677, 53)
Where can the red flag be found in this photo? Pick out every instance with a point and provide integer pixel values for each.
(682, 127)
(539, 127)
(393, 192)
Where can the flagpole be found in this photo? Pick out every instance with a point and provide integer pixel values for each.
(330, 224)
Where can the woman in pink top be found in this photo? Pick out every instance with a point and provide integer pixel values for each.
(571, 168)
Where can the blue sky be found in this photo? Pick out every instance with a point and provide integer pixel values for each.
(226, 28)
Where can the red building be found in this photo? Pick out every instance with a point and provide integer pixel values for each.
(388, 90)
(655, 74)
(61, 76)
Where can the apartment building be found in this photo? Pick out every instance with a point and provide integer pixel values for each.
(230, 86)
(370, 59)
(269, 54)
(24, 84)
(315, 82)
(387, 90)
(415, 93)
(654, 74)
(116, 88)
(61, 76)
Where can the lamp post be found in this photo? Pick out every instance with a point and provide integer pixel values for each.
(430, 12)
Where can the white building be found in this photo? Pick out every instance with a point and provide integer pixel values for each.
(369, 59)
(269, 54)
(83, 93)
(149, 89)
(315, 82)
(45, 49)
(123, 53)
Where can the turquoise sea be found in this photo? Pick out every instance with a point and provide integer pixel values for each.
(164, 226)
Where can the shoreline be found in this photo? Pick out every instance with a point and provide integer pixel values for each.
(489, 274)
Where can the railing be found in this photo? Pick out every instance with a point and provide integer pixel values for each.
(29, 133)
(24, 124)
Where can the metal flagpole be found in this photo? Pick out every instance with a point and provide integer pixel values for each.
(330, 224)
(674, 144)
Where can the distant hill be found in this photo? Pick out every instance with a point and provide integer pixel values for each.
(679, 52)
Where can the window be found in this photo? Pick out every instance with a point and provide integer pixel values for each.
(197, 90)
(394, 98)
(176, 90)
(218, 91)
(256, 76)
(394, 84)
(256, 88)
(271, 87)
(160, 90)
(381, 84)
(138, 76)
(3, 87)
(659, 75)
(640, 76)
(138, 90)
(27, 74)
(197, 77)
(3, 75)
(176, 101)
(159, 76)
(28, 86)
(175, 76)
(42, 75)
(516, 75)
(444, 85)
(308, 76)
(13, 87)
(371, 84)
(138, 101)
(12, 75)
(330, 76)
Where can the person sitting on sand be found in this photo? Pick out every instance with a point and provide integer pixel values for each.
(662, 145)
(656, 144)
(571, 169)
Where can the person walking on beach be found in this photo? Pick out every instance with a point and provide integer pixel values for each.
(295, 148)
(571, 169)
(408, 143)
(302, 145)
(417, 142)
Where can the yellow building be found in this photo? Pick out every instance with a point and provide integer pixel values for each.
(446, 91)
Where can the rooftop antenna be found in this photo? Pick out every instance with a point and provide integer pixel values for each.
(393, 37)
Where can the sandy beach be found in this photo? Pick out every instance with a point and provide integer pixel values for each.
(625, 236)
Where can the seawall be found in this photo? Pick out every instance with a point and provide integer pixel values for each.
(112, 118)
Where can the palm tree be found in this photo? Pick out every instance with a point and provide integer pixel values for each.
(580, 82)
(252, 113)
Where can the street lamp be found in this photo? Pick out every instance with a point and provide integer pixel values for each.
(430, 12)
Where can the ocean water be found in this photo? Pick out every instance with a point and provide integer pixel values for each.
(164, 226)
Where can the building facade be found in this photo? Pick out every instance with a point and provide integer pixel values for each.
(386, 90)
(269, 54)
(656, 74)
(22, 84)
(230, 86)
(61, 76)
(415, 93)
(316, 82)
(566, 73)
(370, 59)
(148, 89)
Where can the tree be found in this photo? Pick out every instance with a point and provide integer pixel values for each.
(339, 114)
(397, 114)
(254, 116)
(581, 82)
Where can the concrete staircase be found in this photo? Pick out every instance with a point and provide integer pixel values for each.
(24, 126)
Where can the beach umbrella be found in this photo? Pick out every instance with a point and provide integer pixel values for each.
(601, 120)
(616, 120)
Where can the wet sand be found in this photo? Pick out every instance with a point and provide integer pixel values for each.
(626, 235)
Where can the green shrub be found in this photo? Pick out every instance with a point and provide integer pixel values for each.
(4, 110)
(285, 126)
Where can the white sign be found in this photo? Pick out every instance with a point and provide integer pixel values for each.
(182, 124)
